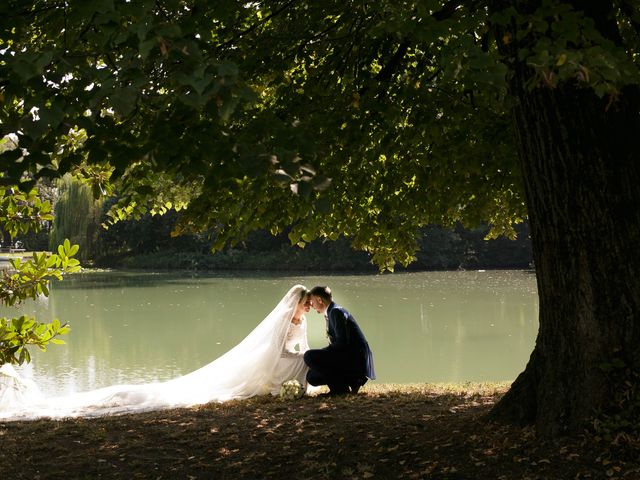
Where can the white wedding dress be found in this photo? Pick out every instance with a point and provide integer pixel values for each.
(270, 355)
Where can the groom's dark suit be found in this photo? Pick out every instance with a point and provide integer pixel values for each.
(347, 361)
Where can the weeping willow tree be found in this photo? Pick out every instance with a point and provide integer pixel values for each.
(76, 217)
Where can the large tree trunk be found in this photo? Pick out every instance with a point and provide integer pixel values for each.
(579, 158)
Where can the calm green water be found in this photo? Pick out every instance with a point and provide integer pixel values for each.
(422, 327)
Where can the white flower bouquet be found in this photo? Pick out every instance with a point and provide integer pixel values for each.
(291, 390)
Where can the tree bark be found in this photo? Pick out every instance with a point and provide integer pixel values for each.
(578, 155)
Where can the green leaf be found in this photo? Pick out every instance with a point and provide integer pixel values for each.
(25, 69)
(227, 108)
(74, 249)
(146, 46)
(124, 100)
(228, 69)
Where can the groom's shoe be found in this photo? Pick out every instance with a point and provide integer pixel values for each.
(355, 386)
(337, 389)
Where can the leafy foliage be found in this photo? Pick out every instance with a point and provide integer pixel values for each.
(18, 332)
(139, 90)
(22, 211)
(364, 120)
(29, 278)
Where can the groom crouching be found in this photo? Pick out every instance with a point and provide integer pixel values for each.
(346, 363)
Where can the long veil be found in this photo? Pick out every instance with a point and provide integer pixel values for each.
(244, 371)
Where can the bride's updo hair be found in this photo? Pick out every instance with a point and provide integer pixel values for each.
(304, 293)
(297, 292)
(323, 292)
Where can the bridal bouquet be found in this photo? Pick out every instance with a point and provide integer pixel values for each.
(291, 390)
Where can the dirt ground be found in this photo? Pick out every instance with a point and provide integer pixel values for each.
(384, 432)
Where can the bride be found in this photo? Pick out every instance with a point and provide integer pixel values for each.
(270, 355)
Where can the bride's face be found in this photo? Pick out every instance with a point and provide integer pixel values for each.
(303, 307)
(307, 303)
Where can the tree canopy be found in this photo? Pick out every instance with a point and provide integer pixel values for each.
(362, 119)
(395, 112)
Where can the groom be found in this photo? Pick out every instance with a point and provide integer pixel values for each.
(346, 363)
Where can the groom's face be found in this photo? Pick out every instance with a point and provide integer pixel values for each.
(317, 304)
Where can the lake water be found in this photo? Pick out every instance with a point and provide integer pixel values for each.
(422, 327)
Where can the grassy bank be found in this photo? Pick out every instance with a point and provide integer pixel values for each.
(385, 432)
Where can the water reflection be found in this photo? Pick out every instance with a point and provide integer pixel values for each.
(431, 326)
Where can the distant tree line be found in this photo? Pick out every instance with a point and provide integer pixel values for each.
(147, 244)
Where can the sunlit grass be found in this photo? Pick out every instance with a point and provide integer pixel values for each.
(458, 389)
(441, 392)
